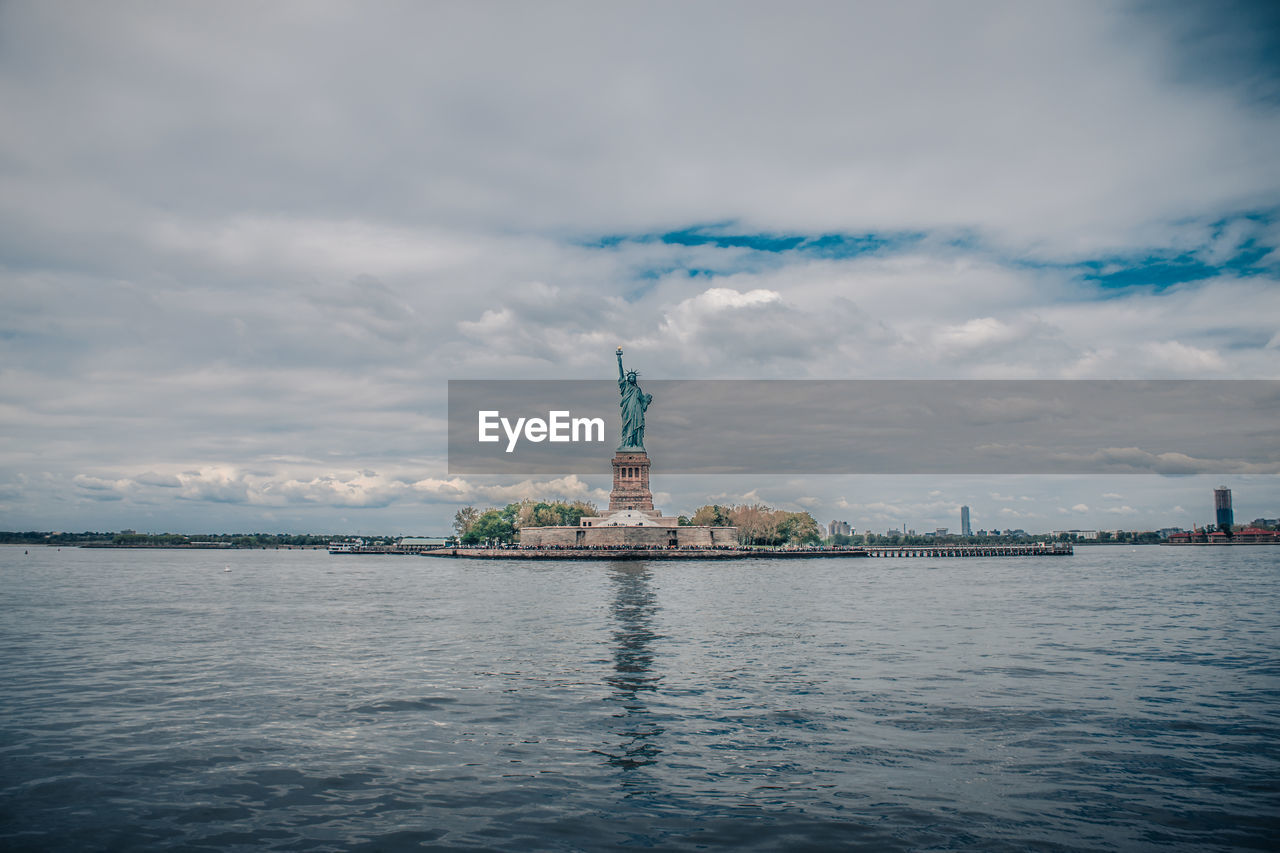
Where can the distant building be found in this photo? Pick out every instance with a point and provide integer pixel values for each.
(940, 531)
(839, 528)
(1074, 534)
(965, 529)
(1222, 506)
(1248, 536)
(413, 544)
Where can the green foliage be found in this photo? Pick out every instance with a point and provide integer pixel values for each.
(761, 525)
(41, 537)
(712, 515)
(149, 540)
(492, 526)
(798, 528)
(503, 525)
(531, 513)
(464, 518)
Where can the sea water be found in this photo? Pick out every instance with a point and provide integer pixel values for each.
(1118, 699)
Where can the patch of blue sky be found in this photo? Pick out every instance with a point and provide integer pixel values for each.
(755, 242)
(753, 251)
(1247, 260)
(832, 245)
(852, 245)
(1161, 272)
(720, 236)
(1152, 271)
(743, 252)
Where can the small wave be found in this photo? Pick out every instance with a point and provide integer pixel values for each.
(427, 703)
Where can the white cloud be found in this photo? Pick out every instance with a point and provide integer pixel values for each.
(1181, 358)
(98, 484)
(258, 308)
(1137, 459)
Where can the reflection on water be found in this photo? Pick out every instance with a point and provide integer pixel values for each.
(634, 607)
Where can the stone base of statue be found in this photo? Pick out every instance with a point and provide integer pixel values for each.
(631, 520)
(631, 482)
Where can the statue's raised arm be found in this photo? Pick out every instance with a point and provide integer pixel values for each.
(634, 402)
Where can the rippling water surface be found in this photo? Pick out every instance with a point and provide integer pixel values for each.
(1118, 699)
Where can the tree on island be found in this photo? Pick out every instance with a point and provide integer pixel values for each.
(799, 528)
(503, 525)
(463, 520)
(491, 526)
(712, 515)
(761, 525)
(529, 513)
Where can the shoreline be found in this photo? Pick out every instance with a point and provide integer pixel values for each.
(636, 554)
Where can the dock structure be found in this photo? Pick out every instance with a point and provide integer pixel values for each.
(1042, 549)
(1038, 549)
(641, 553)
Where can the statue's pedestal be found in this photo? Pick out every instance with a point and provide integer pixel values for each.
(631, 482)
(631, 521)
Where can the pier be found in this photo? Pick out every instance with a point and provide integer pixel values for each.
(641, 553)
(1038, 549)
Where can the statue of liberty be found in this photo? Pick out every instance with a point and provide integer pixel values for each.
(634, 402)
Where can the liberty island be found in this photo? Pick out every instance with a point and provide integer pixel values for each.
(633, 528)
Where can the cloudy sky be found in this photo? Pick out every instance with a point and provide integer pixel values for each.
(244, 246)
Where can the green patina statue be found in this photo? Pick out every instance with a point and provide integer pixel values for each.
(634, 402)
